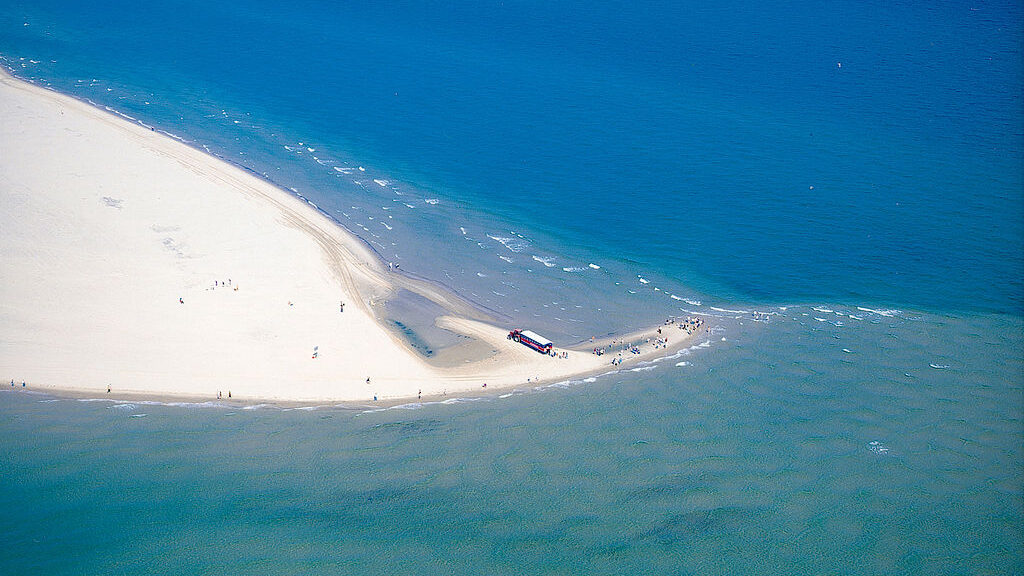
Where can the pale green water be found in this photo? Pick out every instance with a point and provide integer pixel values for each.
(757, 458)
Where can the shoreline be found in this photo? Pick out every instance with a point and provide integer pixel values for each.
(106, 183)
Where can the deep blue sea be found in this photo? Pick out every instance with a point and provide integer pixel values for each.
(835, 186)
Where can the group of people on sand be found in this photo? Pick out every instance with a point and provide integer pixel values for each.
(223, 284)
(216, 284)
(690, 324)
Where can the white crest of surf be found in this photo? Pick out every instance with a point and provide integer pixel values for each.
(726, 310)
(514, 244)
(548, 261)
(886, 313)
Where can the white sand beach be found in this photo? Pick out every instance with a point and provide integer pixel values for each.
(131, 261)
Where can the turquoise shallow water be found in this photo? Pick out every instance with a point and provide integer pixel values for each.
(851, 171)
(773, 452)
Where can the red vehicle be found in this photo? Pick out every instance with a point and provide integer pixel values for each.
(532, 339)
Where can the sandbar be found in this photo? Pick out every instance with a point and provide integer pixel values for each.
(132, 262)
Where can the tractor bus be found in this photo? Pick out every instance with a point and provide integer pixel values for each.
(532, 339)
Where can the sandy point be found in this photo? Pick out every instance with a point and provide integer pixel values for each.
(132, 262)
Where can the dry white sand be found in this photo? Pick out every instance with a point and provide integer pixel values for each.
(106, 224)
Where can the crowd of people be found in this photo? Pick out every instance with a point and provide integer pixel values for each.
(689, 324)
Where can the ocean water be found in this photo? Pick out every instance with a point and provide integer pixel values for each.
(794, 447)
(836, 187)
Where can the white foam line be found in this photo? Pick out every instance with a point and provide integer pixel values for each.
(886, 313)
(716, 309)
(642, 368)
(546, 261)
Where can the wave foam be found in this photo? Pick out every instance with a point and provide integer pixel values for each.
(886, 313)
(545, 260)
(716, 309)
(878, 448)
(513, 244)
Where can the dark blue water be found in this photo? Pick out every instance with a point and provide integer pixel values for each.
(850, 170)
(861, 152)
